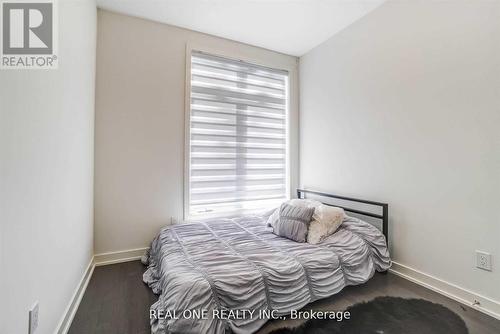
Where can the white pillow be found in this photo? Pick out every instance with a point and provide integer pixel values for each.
(303, 203)
(326, 220)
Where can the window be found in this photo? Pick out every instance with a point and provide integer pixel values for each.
(238, 137)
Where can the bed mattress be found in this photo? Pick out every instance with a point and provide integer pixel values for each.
(229, 275)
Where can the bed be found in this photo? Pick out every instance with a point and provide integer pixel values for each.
(233, 275)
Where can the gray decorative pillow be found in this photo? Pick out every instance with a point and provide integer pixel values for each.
(293, 222)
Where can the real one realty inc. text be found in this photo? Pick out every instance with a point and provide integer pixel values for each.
(227, 314)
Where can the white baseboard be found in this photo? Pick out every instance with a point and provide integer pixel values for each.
(97, 260)
(70, 311)
(486, 305)
(118, 257)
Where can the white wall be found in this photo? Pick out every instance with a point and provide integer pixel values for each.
(403, 106)
(140, 95)
(46, 176)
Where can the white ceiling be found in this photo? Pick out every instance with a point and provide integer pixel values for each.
(289, 26)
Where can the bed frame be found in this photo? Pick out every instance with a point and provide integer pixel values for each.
(301, 193)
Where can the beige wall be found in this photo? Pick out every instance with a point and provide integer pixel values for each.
(46, 176)
(408, 101)
(140, 96)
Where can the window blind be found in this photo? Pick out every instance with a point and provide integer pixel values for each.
(238, 136)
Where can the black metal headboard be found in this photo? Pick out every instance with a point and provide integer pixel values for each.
(385, 208)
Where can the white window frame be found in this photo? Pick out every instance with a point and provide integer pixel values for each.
(187, 126)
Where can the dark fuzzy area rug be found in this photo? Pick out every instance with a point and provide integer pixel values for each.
(388, 315)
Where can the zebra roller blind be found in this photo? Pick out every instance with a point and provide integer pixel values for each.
(237, 136)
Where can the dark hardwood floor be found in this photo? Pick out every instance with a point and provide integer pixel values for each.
(117, 302)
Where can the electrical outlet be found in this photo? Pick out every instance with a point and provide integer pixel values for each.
(33, 318)
(483, 260)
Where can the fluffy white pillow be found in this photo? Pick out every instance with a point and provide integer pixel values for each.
(303, 203)
(326, 220)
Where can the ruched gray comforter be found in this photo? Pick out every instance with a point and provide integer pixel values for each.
(239, 264)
